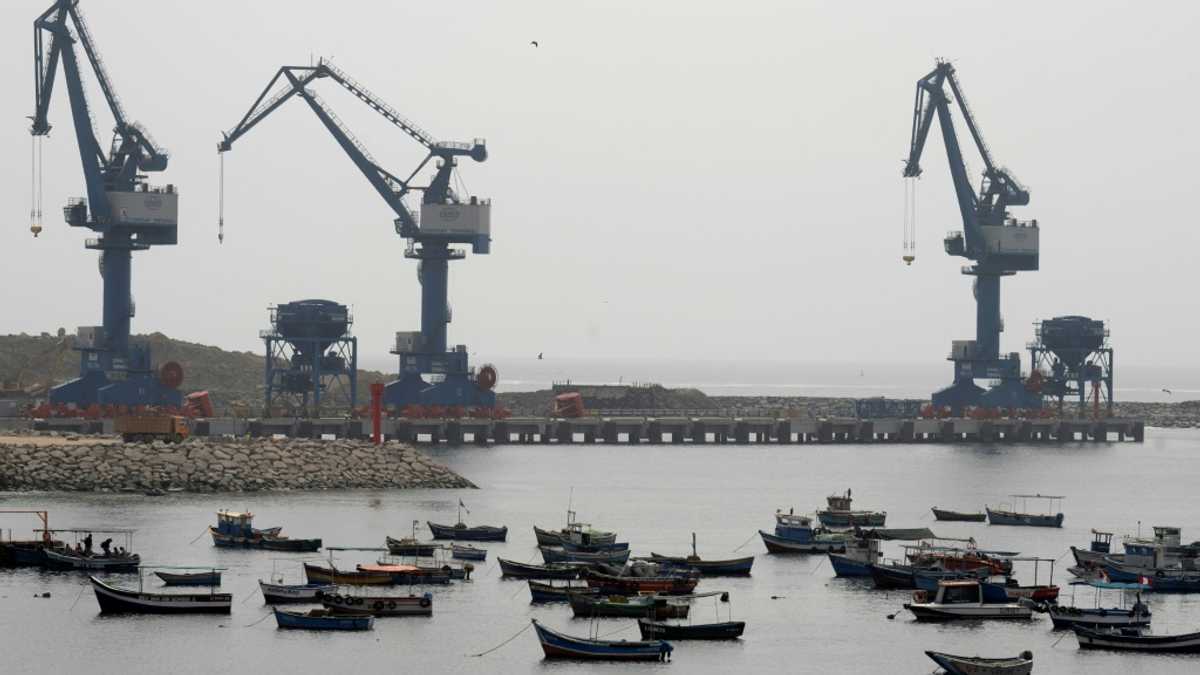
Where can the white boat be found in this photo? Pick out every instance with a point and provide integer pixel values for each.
(962, 599)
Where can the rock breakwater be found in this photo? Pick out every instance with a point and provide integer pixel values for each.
(220, 466)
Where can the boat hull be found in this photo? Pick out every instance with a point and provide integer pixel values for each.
(777, 544)
(477, 533)
(309, 621)
(540, 593)
(557, 645)
(461, 553)
(205, 579)
(404, 548)
(411, 605)
(1069, 617)
(844, 566)
(1186, 643)
(115, 600)
(279, 594)
(1024, 519)
(609, 584)
(887, 577)
(846, 519)
(630, 607)
(510, 568)
(710, 568)
(958, 516)
(972, 611)
(323, 575)
(60, 561)
(974, 665)
(553, 555)
(728, 630)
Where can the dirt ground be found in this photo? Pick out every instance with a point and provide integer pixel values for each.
(44, 441)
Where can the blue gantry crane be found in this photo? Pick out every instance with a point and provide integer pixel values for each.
(998, 244)
(125, 211)
(442, 220)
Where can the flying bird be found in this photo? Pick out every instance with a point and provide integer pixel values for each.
(1167, 390)
(533, 42)
(539, 356)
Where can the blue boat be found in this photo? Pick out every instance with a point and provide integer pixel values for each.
(845, 566)
(708, 568)
(1013, 517)
(554, 554)
(322, 619)
(465, 552)
(1175, 584)
(860, 555)
(556, 645)
(927, 579)
(609, 547)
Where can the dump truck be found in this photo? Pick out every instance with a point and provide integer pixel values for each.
(149, 428)
(569, 404)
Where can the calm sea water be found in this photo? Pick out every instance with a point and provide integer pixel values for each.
(800, 618)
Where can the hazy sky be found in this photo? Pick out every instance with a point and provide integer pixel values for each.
(676, 179)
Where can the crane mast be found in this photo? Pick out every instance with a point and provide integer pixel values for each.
(441, 220)
(998, 245)
(125, 211)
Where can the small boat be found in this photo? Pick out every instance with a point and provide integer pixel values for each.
(115, 600)
(234, 529)
(66, 559)
(777, 544)
(861, 554)
(554, 554)
(1014, 517)
(962, 600)
(540, 592)
(411, 547)
(927, 579)
(379, 605)
(958, 516)
(708, 568)
(1063, 617)
(1134, 640)
(512, 568)
(610, 547)
(630, 606)
(893, 576)
(323, 619)
(575, 532)
(559, 645)
(289, 544)
(317, 574)
(725, 630)
(975, 665)
(210, 578)
(954, 559)
(631, 585)
(1098, 550)
(460, 532)
(463, 552)
(279, 594)
(409, 574)
(839, 514)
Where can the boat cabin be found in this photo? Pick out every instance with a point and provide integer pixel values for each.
(839, 502)
(959, 592)
(235, 524)
(1101, 542)
(793, 526)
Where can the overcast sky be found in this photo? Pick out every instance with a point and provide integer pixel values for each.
(675, 179)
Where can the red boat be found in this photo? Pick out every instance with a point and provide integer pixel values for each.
(959, 560)
(614, 585)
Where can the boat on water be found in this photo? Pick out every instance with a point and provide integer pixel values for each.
(1135, 640)
(27, 552)
(410, 574)
(708, 568)
(317, 574)
(724, 630)
(946, 515)
(840, 514)
(863, 549)
(960, 558)
(209, 578)
(632, 585)
(927, 579)
(953, 664)
(67, 559)
(553, 554)
(461, 532)
(1099, 549)
(512, 568)
(540, 592)
(557, 645)
(611, 547)
(1023, 517)
(235, 529)
(795, 533)
(893, 576)
(629, 606)
(1136, 616)
(464, 552)
(280, 594)
(412, 547)
(322, 619)
(962, 599)
(575, 532)
(379, 605)
(114, 600)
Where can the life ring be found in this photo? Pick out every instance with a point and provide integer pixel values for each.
(335, 599)
(391, 604)
(359, 601)
(920, 597)
(426, 601)
(378, 605)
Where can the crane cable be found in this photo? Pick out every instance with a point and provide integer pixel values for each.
(35, 188)
(910, 220)
(221, 199)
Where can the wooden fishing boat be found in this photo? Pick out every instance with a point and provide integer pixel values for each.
(725, 630)
(708, 568)
(975, 665)
(554, 554)
(574, 532)
(210, 578)
(115, 600)
(279, 594)
(316, 574)
(1097, 551)
(540, 592)
(461, 532)
(462, 552)
(610, 547)
(411, 547)
(409, 574)
(927, 579)
(839, 514)
(893, 576)
(959, 559)
(962, 600)
(512, 568)
(1014, 517)
(380, 605)
(289, 544)
(958, 516)
(629, 606)
(777, 544)
(1137, 616)
(323, 619)
(1134, 640)
(557, 645)
(234, 529)
(66, 559)
(631, 585)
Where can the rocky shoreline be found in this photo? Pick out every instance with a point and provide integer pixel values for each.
(93, 464)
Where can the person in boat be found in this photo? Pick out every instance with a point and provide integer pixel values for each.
(78, 549)
(87, 544)
(105, 545)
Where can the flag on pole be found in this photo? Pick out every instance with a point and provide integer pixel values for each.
(463, 506)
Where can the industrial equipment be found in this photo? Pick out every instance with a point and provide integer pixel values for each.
(312, 360)
(1073, 359)
(442, 219)
(998, 244)
(125, 211)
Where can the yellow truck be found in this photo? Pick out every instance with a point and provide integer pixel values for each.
(149, 428)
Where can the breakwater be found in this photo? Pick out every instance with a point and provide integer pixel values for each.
(102, 465)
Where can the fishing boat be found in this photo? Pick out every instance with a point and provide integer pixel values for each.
(279, 594)
(289, 544)
(1021, 664)
(541, 592)
(209, 578)
(27, 553)
(1013, 517)
(611, 547)
(574, 532)
(860, 555)
(962, 600)
(708, 568)
(460, 532)
(555, 554)
(777, 544)
(1136, 616)
(629, 606)
(379, 605)
(316, 574)
(724, 630)
(115, 600)
(960, 559)
(927, 579)
(557, 645)
(323, 619)
(1134, 640)
(463, 552)
(839, 514)
(235, 529)
(411, 547)
(958, 516)
(67, 559)
(632, 585)
(893, 576)
(512, 568)
(1098, 550)
(409, 574)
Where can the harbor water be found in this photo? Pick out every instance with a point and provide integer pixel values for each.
(800, 618)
